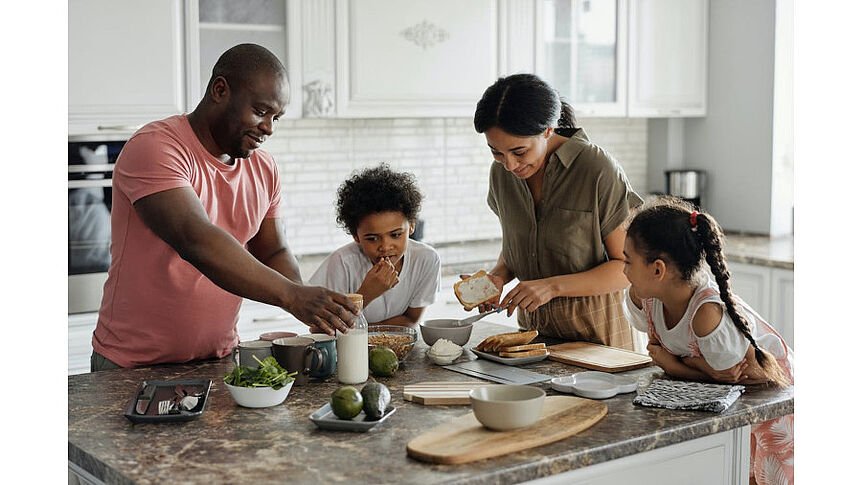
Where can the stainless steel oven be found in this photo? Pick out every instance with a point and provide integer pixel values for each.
(91, 165)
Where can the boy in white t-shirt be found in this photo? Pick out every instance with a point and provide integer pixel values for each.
(397, 276)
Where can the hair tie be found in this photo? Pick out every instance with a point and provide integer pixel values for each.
(692, 219)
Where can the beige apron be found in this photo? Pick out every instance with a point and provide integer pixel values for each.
(598, 319)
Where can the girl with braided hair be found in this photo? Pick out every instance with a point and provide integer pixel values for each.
(698, 329)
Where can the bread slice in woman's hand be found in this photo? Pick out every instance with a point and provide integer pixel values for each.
(476, 290)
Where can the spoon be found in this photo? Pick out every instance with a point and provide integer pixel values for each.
(475, 318)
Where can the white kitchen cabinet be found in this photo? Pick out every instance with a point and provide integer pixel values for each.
(126, 64)
(769, 291)
(718, 459)
(214, 26)
(80, 340)
(751, 283)
(581, 51)
(412, 58)
(667, 58)
(781, 303)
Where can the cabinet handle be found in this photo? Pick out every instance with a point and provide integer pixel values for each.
(119, 128)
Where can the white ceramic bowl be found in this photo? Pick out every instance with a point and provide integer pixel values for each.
(259, 397)
(504, 407)
(444, 359)
(445, 328)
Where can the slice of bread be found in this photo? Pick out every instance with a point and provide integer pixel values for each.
(519, 348)
(476, 290)
(496, 342)
(525, 353)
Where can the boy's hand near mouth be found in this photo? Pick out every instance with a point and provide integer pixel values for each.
(381, 277)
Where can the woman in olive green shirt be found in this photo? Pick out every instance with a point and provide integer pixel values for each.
(561, 201)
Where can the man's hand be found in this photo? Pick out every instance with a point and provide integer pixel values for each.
(528, 296)
(327, 310)
(381, 277)
(493, 304)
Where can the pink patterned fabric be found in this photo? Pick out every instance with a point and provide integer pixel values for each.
(771, 441)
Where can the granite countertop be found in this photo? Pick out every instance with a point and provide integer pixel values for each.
(232, 444)
(776, 252)
(468, 256)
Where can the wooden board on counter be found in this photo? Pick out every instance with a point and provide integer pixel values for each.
(464, 439)
(598, 357)
(440, 393)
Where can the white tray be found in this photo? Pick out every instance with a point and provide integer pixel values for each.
(594, 384)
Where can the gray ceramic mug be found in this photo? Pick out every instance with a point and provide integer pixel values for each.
(247, 351)
(296, 354)
(326, 344)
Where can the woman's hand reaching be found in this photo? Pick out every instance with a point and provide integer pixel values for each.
(528, 296)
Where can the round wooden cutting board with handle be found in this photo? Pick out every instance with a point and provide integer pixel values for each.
(464, 439)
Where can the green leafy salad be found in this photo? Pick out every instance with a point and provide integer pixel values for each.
(267, 374)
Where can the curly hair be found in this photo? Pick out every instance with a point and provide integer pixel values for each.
(375, 190)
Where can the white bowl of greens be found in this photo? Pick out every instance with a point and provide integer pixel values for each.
(261, 387)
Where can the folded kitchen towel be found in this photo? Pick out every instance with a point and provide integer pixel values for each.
(688, 395)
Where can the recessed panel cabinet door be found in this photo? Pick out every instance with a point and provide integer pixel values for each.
(411, 58)
(125, 64)
(668, 58)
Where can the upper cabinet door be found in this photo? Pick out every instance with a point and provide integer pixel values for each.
(215, 26)
(668, 49)
(413, 58)
(581, 51)
(125, 64)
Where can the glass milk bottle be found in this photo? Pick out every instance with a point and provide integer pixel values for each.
(352, 348)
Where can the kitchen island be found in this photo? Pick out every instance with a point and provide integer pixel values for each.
(232, 444)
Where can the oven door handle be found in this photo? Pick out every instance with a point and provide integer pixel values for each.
(83, 184)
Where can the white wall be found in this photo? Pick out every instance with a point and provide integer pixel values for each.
(782, 142)
(734, 142)
(449, 158)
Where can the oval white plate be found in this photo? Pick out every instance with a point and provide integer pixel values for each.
(594, 384)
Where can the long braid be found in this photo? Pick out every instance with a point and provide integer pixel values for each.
(709, 234)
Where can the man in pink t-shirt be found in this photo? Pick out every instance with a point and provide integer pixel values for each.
(195, 227)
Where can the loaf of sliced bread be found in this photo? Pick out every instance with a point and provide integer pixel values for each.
(476, 290)
(496, 342)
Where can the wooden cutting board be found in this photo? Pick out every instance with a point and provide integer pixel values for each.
(598, 357)
(440, 393)
(464, 439)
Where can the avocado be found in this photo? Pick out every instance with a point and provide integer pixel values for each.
(375, 398)
(382, 361)
(346, 402)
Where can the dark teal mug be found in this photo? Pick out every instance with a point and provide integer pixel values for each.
(326, 344)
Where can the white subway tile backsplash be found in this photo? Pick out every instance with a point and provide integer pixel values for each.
(450, 161)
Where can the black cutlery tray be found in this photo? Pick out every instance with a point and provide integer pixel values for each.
(164, 392)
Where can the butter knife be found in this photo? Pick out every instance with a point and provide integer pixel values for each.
(144, 398)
